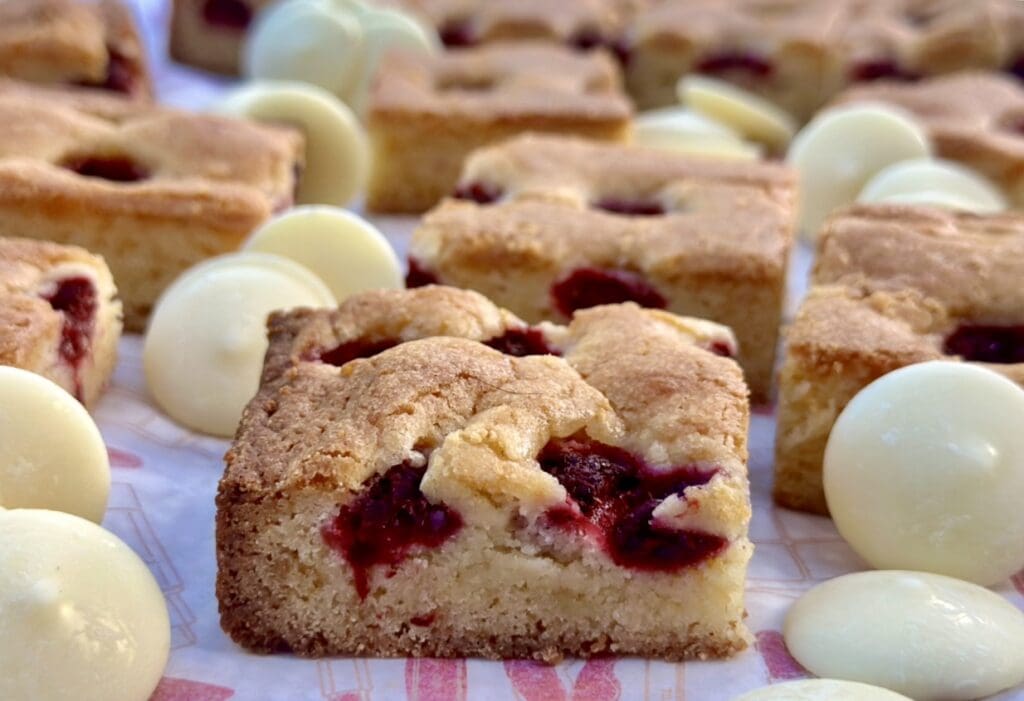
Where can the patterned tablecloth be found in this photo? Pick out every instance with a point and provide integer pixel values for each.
(161, 504)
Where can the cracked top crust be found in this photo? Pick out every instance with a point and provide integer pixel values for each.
(628, 377)
(229, 173)
(973, 116)
(67, 41)
(28, 270)
(973, 265)
(501, 83)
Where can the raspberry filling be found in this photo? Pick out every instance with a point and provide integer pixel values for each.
(613, 495)
(587, 39)
(1017, 67)
(227, 14)
(479, 192)
(118, 169)
(630, 208)
(419, 276)
(350, 350)
(735, 62)
(879, 69)
(590, 287)
(721, 348)
(521, 342)
(457, 34)
(389, 518)
(75, 299)
(987, 344)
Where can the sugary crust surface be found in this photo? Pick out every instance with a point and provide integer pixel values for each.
(64, 41)
(30, 329)
(501, 83)
(974, 117)
(316, 433)
(971, 264)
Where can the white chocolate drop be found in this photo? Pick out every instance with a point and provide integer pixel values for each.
(319, 42)
(821, 690)
(750, 115)
(337, 153)
(684, 131)
(924, 470)
(81, 617)
(843, 148)
(207, 337)
(347, 252)
(934, 182)
(930, 637)
(52, 456)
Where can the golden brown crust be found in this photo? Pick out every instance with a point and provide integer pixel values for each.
(30, 328)
(64, 41)
(315, 434)
(971, 264)
(525, 84)
(973, 117)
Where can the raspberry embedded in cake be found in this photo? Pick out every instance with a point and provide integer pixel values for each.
(589, 287)
(458, 33)
(522, 342)
(122, 74)
(983, 343)
(115, 168)
(631, 207)
(419, 275)
(235, 15)
(479, 192)
(881, 69)
(352, 350)
(735, 63)
(75, 299)
(387, 520)
(616, 493)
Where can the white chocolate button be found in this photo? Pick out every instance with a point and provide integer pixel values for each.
(750, 115)
(206, 340)
(314, 41)
(924, 470)
(344, 250)
(935, 182)
(684, 131)
(843, 148)
(930, 637)
(51, 453)
(337, 154)
(81, 617)
(386, 30)
(821, 690)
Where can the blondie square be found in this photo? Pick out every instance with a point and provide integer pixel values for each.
(557, 224)
(896, 285)
(153, 190)
(424, 474)
(59, 315)
(427, 115)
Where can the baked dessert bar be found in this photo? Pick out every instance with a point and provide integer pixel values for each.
(554, 224)
(209, 34)
(788, 51)
(59, 315)
(896, 285)
(974, 117)
(501, 490)
(152, 189)
(427, 115)
(92, 43)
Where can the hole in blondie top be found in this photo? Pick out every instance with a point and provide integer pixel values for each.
(590, 287)
(880, 69)
(458, 33)
(987, 343)
(351, 350)
(479, 192)
(522, 342)
(742, 63)
(386, 520)
(118, 169)
(419, 275)
(616, 493)
(227, 14)
(631, 207)
(75, 298)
